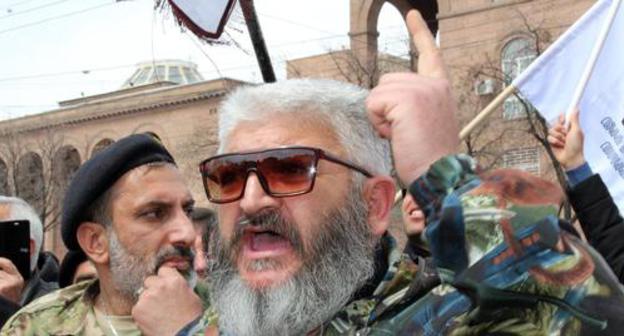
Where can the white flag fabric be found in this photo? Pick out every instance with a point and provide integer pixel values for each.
(550, 81)
(206, 18)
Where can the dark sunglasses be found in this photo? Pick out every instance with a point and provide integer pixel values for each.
(282, 172)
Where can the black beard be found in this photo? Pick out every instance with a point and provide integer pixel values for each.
(337, 261)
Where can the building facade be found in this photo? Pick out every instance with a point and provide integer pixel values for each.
(485, 43)
(40, 153)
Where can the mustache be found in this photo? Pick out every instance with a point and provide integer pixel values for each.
(173, 251)
(268, 220)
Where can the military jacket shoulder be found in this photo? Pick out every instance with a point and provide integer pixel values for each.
(68, 311)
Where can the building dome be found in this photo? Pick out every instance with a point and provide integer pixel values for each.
(179, 72)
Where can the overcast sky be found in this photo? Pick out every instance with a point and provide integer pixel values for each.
(54, 50)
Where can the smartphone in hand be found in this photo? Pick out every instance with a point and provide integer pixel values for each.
(15, 244)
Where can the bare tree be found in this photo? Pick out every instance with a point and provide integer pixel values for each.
(366, 74)
(531, 122)
(483, 143)
(39, 171)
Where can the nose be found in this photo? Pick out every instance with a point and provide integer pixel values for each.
(255, 198)
(182, 232)
(199, 263)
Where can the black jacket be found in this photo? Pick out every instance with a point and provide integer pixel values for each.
(48, 266)
(601, 221)
(37, 287)
(7, 309)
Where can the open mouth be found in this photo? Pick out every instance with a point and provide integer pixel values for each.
(267, 240)
(262, 243)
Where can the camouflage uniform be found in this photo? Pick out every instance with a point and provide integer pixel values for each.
(506, 266)
(68, 311)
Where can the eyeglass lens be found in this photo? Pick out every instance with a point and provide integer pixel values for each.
(282, 172)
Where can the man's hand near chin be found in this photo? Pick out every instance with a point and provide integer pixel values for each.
(167, 304)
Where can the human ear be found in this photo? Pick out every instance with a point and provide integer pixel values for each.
(93, 240)
(379, 196)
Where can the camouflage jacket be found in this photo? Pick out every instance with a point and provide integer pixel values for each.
(507, 266)
(506, 263)
(68, 312)
(64, 312)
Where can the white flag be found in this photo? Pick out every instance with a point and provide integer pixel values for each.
(205, 18)
(550, 81)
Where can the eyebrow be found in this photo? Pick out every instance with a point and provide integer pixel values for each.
(167, 204)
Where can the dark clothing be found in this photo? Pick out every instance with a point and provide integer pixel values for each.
(36, 287)
(601, 221)
(7, 309)
(70, 264)
(416, 247)
(48, 266)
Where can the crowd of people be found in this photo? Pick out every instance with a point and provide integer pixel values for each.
(298, 242)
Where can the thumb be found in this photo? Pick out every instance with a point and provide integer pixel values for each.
(574, 118)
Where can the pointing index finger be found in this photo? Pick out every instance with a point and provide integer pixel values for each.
(430, 61)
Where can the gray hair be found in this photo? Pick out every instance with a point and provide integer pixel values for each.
(340, 105)
(20, 210)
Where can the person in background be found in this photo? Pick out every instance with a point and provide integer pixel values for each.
(76, 267)
(12, 285)
(595, 209)
(205, 221)
(413, 225)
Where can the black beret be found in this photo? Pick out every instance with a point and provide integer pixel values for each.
(100, 172)
(70, 264)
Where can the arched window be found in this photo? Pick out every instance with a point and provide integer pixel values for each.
(4, 178)
(64, 164)
(101, 145)
(515, 58)
(29, 180)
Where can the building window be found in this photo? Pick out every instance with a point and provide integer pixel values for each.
(175, 75)
(515, 58)
(141, 77)
(158, 75)
(190, 76)
(526, 159)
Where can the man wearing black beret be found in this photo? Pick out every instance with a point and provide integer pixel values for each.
(128, 209)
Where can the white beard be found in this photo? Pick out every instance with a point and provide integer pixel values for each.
(313, 295)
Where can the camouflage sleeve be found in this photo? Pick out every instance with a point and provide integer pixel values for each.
(18, 325)
(442, 178)
(495, 238)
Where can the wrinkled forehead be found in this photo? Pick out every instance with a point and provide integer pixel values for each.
(280, 130)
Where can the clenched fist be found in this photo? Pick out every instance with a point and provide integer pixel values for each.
(416, 111)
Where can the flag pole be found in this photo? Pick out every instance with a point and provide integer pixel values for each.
(492, 106)
(593, 58)
(257, 40)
